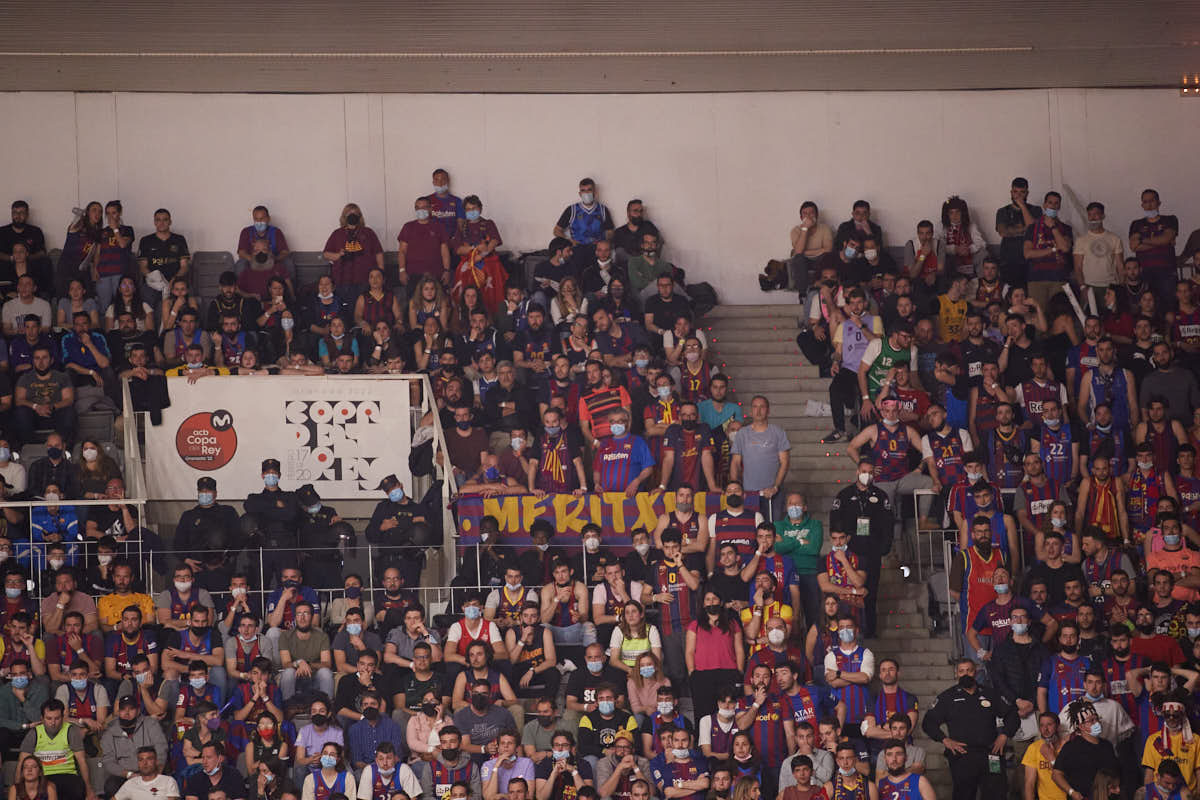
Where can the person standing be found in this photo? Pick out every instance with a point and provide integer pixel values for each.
(1012, 221)
(761, 457)
(1152, 240)
(974, 724)
(800, 536)
(1099, 257)
(713, 652)
(864, 513)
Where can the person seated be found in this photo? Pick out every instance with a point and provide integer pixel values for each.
(24, 305)
(16, 593)
(199, 642)
(215, 780)
(261, 268)
(44, 398)
(313, 737)
(71, 647)
(565, 608)
(127, 641)
(65, 599)
(174, 606)
(228, 301)
(262, 230)
(351, 689)
(645, 268)
(534, 660)
(76, 299)
(18, 642)
(662, 310)
(174, 302)
(134, 746)
(20, 348)
(373, 730)
(86, 701)
(197, 365)
(337, 342)
(284, 600)
(110, 607)
(29, 237)
(55, 524)
(258, 694)
(481, 719)
(195, 690)
(352, 640)
(121, 340)
(127, 301)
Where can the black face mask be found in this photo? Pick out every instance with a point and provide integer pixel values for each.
(261, 258)
(429, 709)
(896, 772)
(370, 713)
(451, 754)
(984, 547)
(734, 501)
(480, 702)
(966, 682)
(1146, 629)
(199, 631)
(128, 724)
(1069, 649)
(320, 720)
(546, 722)
(1120, 652)
(689, 424)
(353, 219)
(714, 610)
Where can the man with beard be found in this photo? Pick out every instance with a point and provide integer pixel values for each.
(1102, 433)
(44, 398)
(900, 781)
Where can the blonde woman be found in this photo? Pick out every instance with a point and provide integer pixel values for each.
(643, 685)
(353, 249)
(428, 300)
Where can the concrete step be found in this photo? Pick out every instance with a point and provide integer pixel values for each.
(928, 688)
(909, 633)
(725, 312)
(923, 651)
(781, 382)
(765, 322)
(835, 461)
(758, 360)
(723, 349)
(748, 370)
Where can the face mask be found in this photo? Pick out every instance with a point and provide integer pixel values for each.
(1020, 628)
(328, 762)
(396, 495)
(692, 356)
(195, 365)
(313, 509)
(429, 709)
(734, 501)
(517, 443)
(1120, 652)
(795, 512)
(213, 723)
(271, 479)
(617, 429)
(543, 547)
(371, 713)
(451, 754)
(183, 586)
(260, 226)
(840, 548)
(52, 496)
(966, 682)
(1093, 698)
(1151, 214)
(587, 197)
(641, 363)
(1053, 424)
(984, 547)
(91, 454)
(665, 709)
(1069, 649)
(1096, 729)
(141, 677)
(642, 549)
(320, 720)
(553, 430)
(127, 725)
(79, 684)
(247, 639)
(472, 214)
(353, 628)
(846, 635)
(56, 563)
(646, 671)
(864, 478)
(20, 681)
(726, 713)
(1050, 212)
(1171, 539)
(870, 254)
(1094, 224)
(681, 753)
(197, 683)
(846, 773)
(260, 258)
(849, 253)
(1058, 522)
(11, 593)
(1001, 588)
(776, 636)
(974, 476)
(213, 771)
(663, 392)
(422, 213)
(287, 323)
(492, 474)
(205, 498)
(606, 707)
(1193, 632)
(892, 420)
(199, 631)
(5, 454)
(1104, 428)
(238, 591)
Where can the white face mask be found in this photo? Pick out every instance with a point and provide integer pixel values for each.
(90, 454)
(776, 636)
(238, 591)
(864, 478)
(642, 548)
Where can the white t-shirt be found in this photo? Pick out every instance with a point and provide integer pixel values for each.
(14, 474)
(137, 788)
(868, 662)
(704, 735)
(1103, 256)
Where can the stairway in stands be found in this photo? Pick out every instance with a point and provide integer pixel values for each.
(756, 346)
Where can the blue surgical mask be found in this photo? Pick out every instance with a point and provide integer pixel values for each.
(353, 628)
(1171, 538)
(422, 213)
(472, 612)
(1058, 522)
(205, 498)
(663, 392)
(472, 214)
(197, 683)
(441, 189)
(260, 226)
(5, 454)
(328, 762)
(587, 197)
(1001, 588)
(646, 671)
(20, 681)
(846, 773)
(1020, 628)
(606, 707)
(396, 495)
(553, 430)
(560, 755)
(850, 252)
(846, 635)
(313, 509)
(1096, 729)
(1093, 698)
(492, 474)
(1052, 213)
(79, 684)
(641, 363)
(681, 752)
(595, 667)
(795, 512)
(12, 593)
(271, 480)
(617, 429)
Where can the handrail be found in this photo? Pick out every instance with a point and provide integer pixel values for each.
(135, 474)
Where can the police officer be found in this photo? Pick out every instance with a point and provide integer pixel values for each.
(207, 526)
(864, 513)
(276, 515)
(319, 532)
(978, 725)
(399, 527)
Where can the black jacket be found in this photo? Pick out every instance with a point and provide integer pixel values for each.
(1015, 668)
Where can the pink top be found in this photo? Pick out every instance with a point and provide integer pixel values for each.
(420, 729)
(645, 699)
(714, 647)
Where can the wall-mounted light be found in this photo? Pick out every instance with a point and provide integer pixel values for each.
(1190, 86)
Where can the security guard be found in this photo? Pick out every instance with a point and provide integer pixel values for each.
(864, 512)
(207, 526)
(399, 526)
(277, 514)
(978, 726)
(318, 531)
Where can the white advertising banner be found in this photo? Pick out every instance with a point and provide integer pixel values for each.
(341, 434)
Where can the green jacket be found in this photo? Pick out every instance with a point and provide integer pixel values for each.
(802, 542)
(13, 713)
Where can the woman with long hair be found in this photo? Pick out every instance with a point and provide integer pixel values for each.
(266, 743)
(352, 250)
(1116, 318)
(178, 298)
(428, 300)
(822, 634)
(1060, 520)
(270, 780)
(468, 302)
(29, 782)
(962, 243)
(746, 789)
(713, 652)
(643, 685)
(633, 636)
(77, 300)
(377, 304)
(568, 304)
(83, 235)
(427, 350)
(127, 300)
(333, 777)
(96, 469)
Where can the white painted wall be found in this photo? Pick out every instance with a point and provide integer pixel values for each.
(722, 174)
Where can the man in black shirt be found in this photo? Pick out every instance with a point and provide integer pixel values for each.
(123, 339)
(1012, 221)
(163, 252)
(276, 513)
(246, 309)
(208, 525)
(727, 582)
(398, 522)
(976, 350)
(661, 310)
(864, 513)
(1084, 754)
(21, 231)
(581, 688)
(627, 239)
(215, 776)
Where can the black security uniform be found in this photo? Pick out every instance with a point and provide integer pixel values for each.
(321, 560)
(872, 505)
(400, 545)
(277, 514)
(974, 718)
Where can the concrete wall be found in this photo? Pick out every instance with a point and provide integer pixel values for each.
(722, 174)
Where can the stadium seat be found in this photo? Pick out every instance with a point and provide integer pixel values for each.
(310, 266)
(207, 266)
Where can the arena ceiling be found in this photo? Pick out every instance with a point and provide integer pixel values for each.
(577, 46)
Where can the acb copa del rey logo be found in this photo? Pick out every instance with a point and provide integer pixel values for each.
(207, 440)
